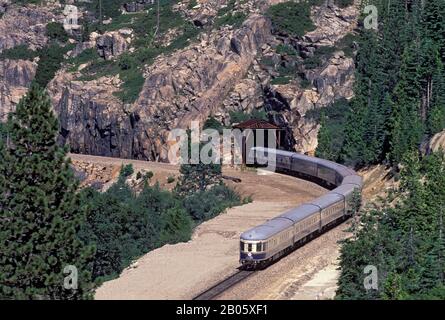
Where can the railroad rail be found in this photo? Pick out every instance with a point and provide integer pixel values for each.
(224, 285)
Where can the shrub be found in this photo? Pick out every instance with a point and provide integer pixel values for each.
(192, 4)
(51, 58)
(344, 3)
(126, 171)
(347, 44)
(170, 179)
(55, 31)
(124, 226)
(313, 62)
(320, 55)
(85, 56)
(212, 123)
(291, 18)
(333, 119)
(281, 80)
(285, 49)
(205, 205)
(133, 82)
(149, 175)
(20, 52)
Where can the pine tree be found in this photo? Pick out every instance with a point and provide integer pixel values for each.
(200, 176)
(406, 125)
(40, 209)
(433, 21)
(436, 117)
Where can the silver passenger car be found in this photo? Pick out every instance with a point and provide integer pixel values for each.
(276, 237)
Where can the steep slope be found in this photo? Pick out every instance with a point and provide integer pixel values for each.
(236, 64)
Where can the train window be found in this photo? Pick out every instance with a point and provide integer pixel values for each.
(242, 246)
(258, 247)
(249, 247)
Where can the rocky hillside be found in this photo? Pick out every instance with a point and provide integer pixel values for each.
(121, 86)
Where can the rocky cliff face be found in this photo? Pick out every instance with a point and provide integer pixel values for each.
(25, 25)
(15, 78)
(185, 86)
(287, 104)
(20, 26)
(221, 72)
(192, 85)
(92, 119)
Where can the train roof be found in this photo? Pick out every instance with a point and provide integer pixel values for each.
(304, 157)
(300, 212)
(266, 230)
(326, 200)
(353, 179)
(345, 188)
(273, 151)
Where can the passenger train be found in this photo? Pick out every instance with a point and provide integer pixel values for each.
(270, 241)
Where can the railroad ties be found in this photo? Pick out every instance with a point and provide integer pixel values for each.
(224, 285)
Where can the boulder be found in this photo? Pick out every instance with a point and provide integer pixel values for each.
(111, 45)
(437, 142)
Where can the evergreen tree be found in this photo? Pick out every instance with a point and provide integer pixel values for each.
(399, 90)
(406, 123)
(402, 237)
(433, 21)
(200, 176)
(40, 208)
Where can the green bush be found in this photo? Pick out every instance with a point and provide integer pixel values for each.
(51, 58)
(2, 132)
(285, 49)
(55, 31)
(347, 44)
(85, 56)
(20, 52)
(126, 171)
(205, 205)
(312, 62)
(170, 179)
(281, 80)
(320, 55)
(123, 225)
(132, 86)
(149, 175)
(192, 4)
(291, 18)
(212, 123)
(344, 3)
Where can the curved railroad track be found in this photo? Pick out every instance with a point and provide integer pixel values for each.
(224, 285)
(310, 220)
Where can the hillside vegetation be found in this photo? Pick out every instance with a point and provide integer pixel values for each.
(400, 88)
(399, 103)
